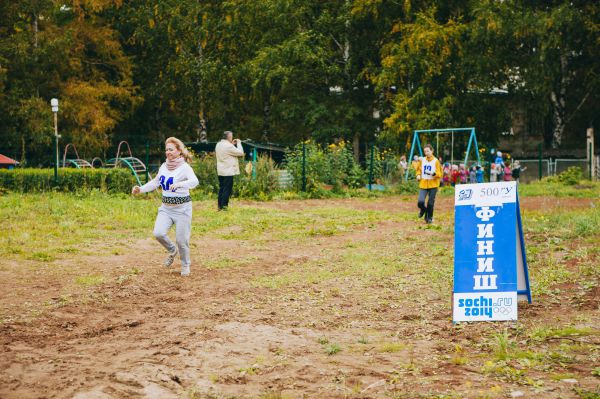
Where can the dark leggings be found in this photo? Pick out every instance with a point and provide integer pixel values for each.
(430, 203)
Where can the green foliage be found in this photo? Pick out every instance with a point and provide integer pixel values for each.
(571, 176)
(288, 70)
(551, 187)
(331, 166)
(114, 180)
(205, 168)
(263, 187)
(332, 349)
(50, 49)
(427, 51)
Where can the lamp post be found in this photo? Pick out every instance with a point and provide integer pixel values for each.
(54, 104)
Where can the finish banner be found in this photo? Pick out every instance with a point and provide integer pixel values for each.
(490, 268)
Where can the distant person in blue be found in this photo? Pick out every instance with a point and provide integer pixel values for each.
(499, 160)
(479, 174)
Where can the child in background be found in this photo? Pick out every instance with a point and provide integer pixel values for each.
(464, 174)
(499, 160)
(429, 173)
(507, 173)
(447, 174)
(516, 171)
(493, 173)
(454, 176)
(472, 175)
(479, 174)
(415, 162)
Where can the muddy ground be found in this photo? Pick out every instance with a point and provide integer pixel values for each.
(145, 331)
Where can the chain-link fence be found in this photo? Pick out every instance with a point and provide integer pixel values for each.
(560, 165)
(532, 169)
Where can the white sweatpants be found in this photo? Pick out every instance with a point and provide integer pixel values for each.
(181, 216)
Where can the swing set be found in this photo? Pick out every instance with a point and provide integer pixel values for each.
(416, 142)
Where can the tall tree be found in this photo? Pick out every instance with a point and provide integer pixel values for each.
(66, 51)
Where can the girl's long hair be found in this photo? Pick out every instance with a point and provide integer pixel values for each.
(181, 147)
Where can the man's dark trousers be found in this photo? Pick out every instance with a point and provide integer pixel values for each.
(225, 188)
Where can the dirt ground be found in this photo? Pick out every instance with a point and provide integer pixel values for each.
(147, 332)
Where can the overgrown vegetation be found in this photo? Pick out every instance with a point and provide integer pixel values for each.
(27, 180)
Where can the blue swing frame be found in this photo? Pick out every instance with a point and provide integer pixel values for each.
(416, 141)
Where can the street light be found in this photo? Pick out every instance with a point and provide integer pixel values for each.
(54, 104)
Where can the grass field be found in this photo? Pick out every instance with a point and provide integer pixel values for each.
(344, 298)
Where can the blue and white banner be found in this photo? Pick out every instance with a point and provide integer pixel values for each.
(487, 250)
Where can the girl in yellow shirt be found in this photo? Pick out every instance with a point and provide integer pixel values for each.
(429, 173)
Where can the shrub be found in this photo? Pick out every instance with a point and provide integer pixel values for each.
(114, 180)
(205, 167)
(264, 186)
(571, 176)
(385, 167)
(333, 165)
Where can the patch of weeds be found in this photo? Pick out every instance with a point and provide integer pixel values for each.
(544, 332)
(356, 388)
(560, 357)
(391, 347)
(68, 250)
(363, 340)
(411, 367)
(14, 250)
(41, 256)
(59, 302)
(459, 360)
(124, 277)
(562, 376)
(89, 280)
(332, 349)
(504, 371)
(273, 395)
(549, 273)
(323, 340)
(251, 370)
(505, 349)
(227, 262)
(585, 394)
(278, 352)
(503, 345)
(195, 393)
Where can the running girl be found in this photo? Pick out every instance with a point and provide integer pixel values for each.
(175, 177)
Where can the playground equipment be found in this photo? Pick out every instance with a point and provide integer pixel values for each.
(136, 166)
(461, 130)
(97, 162)
(76, 162)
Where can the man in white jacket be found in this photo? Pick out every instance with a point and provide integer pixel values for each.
(227, 152)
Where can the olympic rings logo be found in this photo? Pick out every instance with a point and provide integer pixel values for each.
(502, 310)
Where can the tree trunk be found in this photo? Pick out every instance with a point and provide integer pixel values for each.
(558, 99)
(559, 119)
(356, 146)
(202, 133)
(23, 159)
(34, 28)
